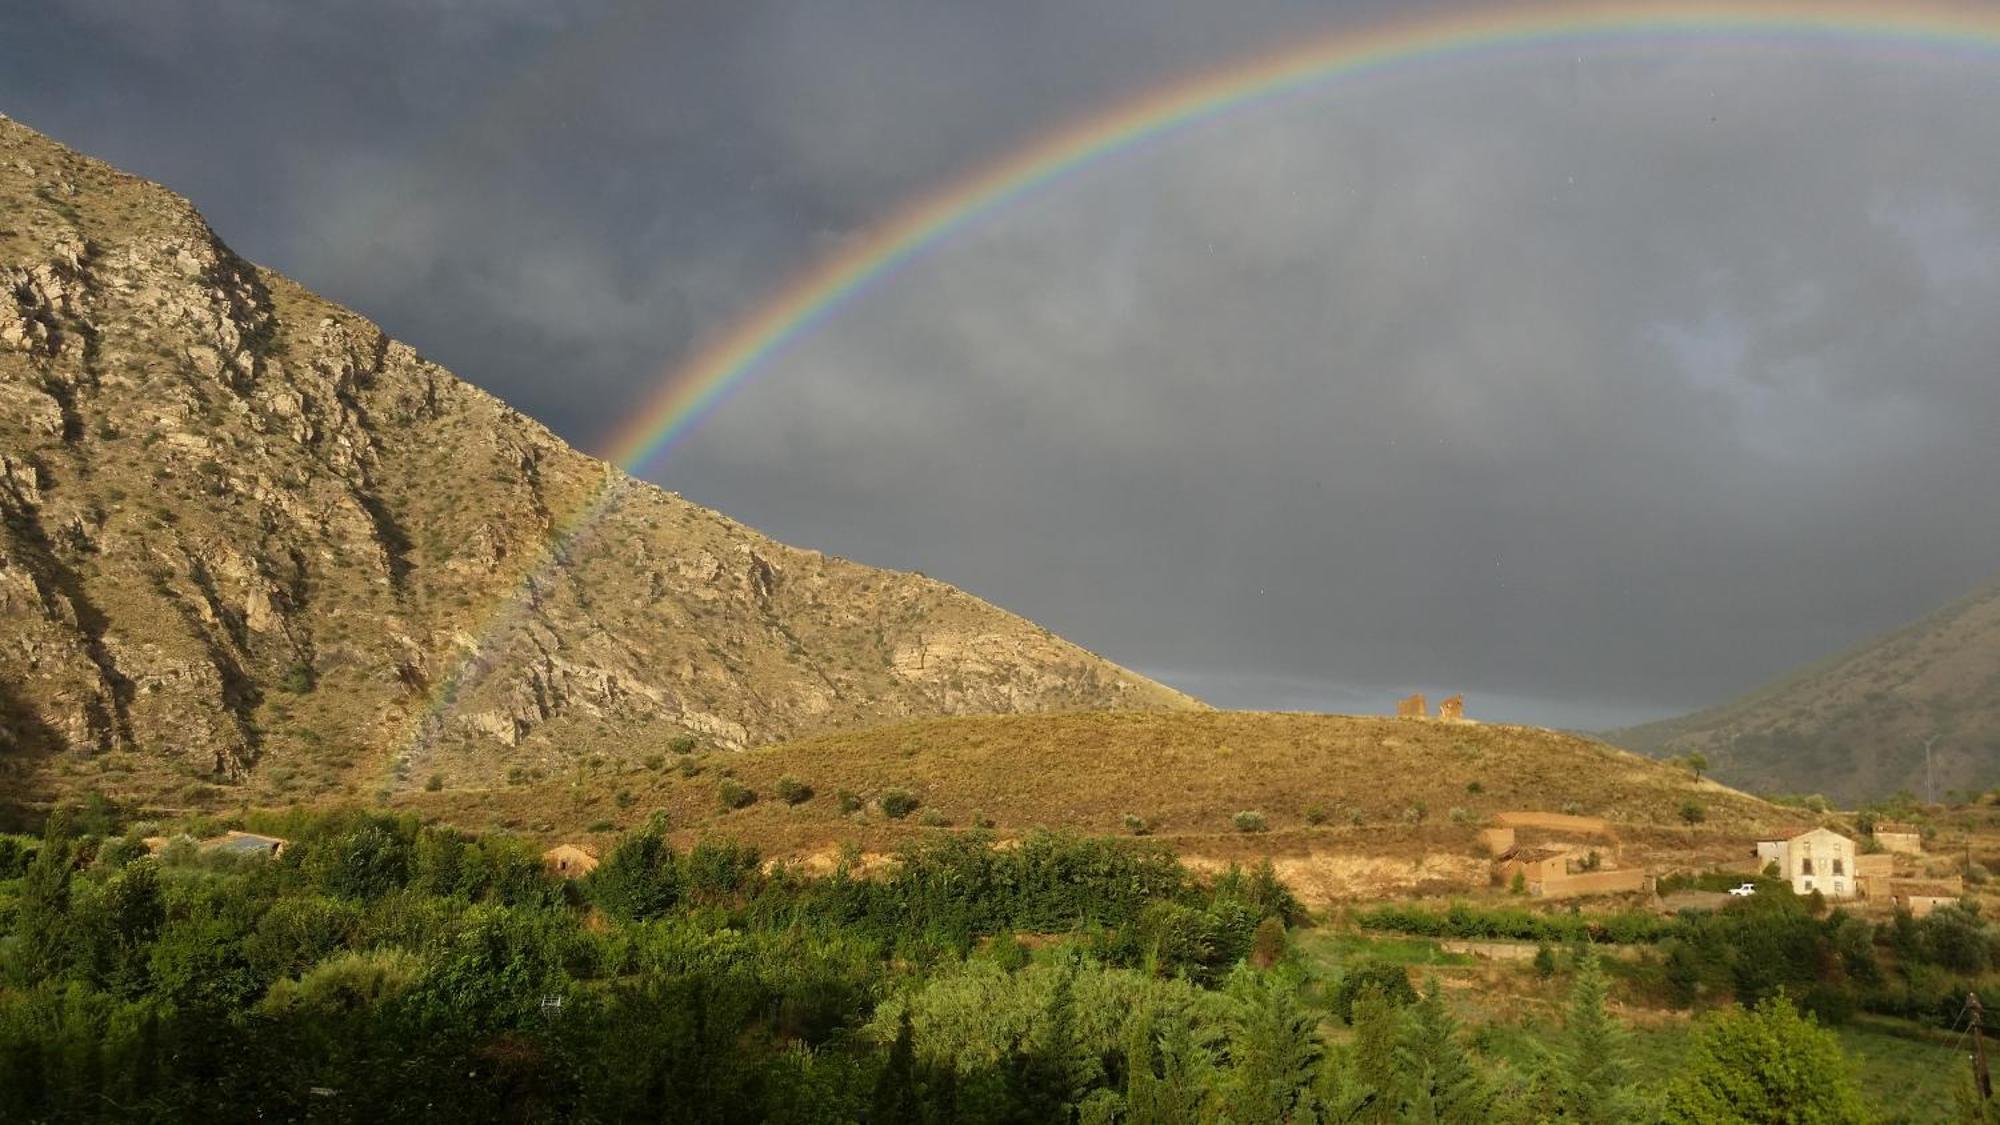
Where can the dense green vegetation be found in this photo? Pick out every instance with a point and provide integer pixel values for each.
(1832, 963)
(382, 968)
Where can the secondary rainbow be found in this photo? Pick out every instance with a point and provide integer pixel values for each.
(693, 390)
(696, 387)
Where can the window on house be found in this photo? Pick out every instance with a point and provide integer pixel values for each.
(1836, 867)
(1808, 884)
(1839, 887)
(1805, 866)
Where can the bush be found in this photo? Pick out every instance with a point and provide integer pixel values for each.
(848, 802)
(1316, 814)
(735, 795)
(1545, 961)
(1976, 874)
(435, 783)
(600, 826)
(1267, 943)
(934, 818)
(1458, 815)
(1136, 825)
(792, 791)
(898, 803)
(1389, 980)
(655, 762)
(981, 820)
(1693, 812)
(1247, 821)
(682, 744)
(1415, 812)
(1474, 787)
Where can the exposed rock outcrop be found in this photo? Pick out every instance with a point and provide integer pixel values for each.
(247, 538)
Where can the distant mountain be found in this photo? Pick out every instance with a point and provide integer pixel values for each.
(246, 538)
(1854, 727)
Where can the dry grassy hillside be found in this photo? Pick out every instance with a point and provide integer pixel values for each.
(1854, 727)
(1186, 775)
(248, 540)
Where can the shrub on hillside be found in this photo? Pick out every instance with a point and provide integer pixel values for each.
(735, 795)
(434, 783)
(1390, 981)
(1136, 825)
(1247, 821)
(898, 803)
(847, 802)
(792, 791)
(1693, 812)
(934, 818)
(1267, 943)
(1316, 814)
(682, 744)
(1474, 787)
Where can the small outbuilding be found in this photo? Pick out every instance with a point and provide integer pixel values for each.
(569, 861)
(245, 843)
(1903, 839)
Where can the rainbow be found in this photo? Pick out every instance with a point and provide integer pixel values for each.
(688, 394)
(692, 391)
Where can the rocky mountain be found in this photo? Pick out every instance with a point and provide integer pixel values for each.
(1854, 727)
(251, 541)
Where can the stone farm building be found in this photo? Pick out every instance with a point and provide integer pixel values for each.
(1921, 896)
(1584, 864)
(1903, 839)
(1817, 859)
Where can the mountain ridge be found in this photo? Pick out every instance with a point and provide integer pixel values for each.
(251, 539)
(1853, 725)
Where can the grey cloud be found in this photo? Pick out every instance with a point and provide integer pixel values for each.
(1595, 387)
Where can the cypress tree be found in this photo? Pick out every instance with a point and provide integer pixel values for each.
(1372, 1066)
(1439, 1083)
(1273, 1050)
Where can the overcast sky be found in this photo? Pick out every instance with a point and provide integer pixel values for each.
(1597, 386)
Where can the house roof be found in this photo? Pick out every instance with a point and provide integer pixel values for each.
(1793, 832)
(1532, 855)
(1896, 828)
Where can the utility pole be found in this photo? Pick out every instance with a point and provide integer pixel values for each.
(1930, 781)
(1979, 1073)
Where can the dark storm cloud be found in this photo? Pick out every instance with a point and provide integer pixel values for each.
(1595, 387)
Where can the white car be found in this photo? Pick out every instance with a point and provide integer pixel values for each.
(1744, 890)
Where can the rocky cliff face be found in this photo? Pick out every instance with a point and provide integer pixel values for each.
(246, 539)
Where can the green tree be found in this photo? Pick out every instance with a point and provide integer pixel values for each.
(1545, 961)
(1439, 1082)
(1769, 1064)
(1168, 1072)
(1391, 982)
(1273, 1051)
(1592, 1052)
(1372, 1064)
(43, 945)
(1683, 973)
(640, 879)
(1698, 763)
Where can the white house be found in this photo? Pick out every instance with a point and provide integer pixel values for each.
(1818, 859)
